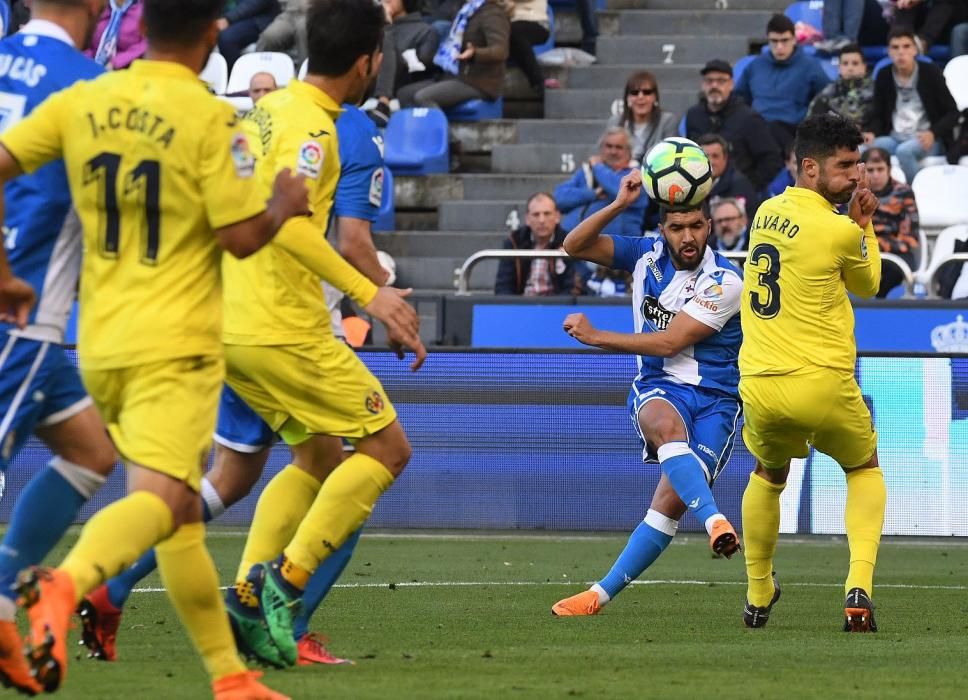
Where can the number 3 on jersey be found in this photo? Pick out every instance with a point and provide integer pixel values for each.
(145, 179)
(765, 301)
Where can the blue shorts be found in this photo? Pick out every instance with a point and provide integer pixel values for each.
(39, 386)
(710, 419)
(239, 427)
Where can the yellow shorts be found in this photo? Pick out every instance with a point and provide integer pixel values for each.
(161, 415)
(318, 388)
(785, 414)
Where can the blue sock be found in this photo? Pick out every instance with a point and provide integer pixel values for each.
(688, 478)
(120, 587)
(322, 580)
(41, 516)
(645, 545)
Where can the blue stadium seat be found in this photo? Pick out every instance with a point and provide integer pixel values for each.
(741, 65)
(806, 11)
(682, 126)
(886, 61)
(416, 142)
(385, 219)
(550, 44)
(476, 110)
(831, 66)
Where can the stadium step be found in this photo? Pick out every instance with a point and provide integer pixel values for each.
(592, 104)
(430, 244)
(440, 273)
(505, 187)
(540, 157)
(480, 215)
(647, 50)
(712, 23)
(676, 76)
(717, 5)
(551, 130)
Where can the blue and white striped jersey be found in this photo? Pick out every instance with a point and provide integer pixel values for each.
(43, 243)
(710, 294)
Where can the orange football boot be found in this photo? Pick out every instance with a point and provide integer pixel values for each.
(14, 671)
(723, 540)
(312, 650)
(244, 686)
(48, 596)
(100, 620)
(584, 603)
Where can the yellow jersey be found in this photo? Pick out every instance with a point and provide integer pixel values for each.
(155, 164)
(803, 259)
(273, 297)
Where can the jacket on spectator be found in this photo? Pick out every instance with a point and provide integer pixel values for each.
(132, 44)
(848, 98)
(408, 32)
(512, 273)
(781, 91)
(732, 183)
(577, 199)
(896, 221)
(753, 150)
(782, 180)
(262, 12)
(937, 100)
(530, 11)
(489, 30)
(645, 139)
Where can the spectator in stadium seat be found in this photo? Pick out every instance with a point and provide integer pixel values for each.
(242, 25)
(287, 32)
(472, 56)
(913, 114)
(755, 152)
(642, 116)
(896, 219)
(727, 180)
(529, 28)
(730, 224)
(959, 40)
(536, 277)
(260, 85)
(852, 93)
(780, 84)
(595, 184)
(117, 39)
(930, 20)
(409, 47)
(841, 24)
(786, 177)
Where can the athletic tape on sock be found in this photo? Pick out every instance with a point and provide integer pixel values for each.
(214, 502)
(84, 481)
(672, 449)
(662, 523)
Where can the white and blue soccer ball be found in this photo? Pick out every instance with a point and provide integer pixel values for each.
(676, 173)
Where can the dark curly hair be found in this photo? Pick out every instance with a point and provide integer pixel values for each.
(179, 22)
(819, 137)
(338, 32)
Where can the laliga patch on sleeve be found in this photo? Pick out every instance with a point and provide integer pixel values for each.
(242, 157)
(863, 247)
(376, 188)
(310, 160)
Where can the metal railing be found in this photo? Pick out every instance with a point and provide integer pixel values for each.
(463, 273)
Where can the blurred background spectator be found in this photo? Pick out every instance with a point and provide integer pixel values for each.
(596, 183)
(589, 24)
(641, 115)
(730, 224)
(529, 28)
(117, 39)
(852, 93)
(260, 85)
(287, 32)
(472, 56)
(841, 24)
(536, 277)
(720, 111)
(242, 24)
(727, 180)
(779, 85)
(896, 219)
(913, 114)
(409, 47)
(786, 177)
(931, 21)
(606, 282)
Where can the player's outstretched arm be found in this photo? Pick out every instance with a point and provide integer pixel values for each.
(682, 332)
(586, 241)
(402, 323)
(289, 199)
(16, 296)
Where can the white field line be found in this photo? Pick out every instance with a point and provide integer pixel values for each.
(656, 582)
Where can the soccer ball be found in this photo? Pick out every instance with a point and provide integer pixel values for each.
(676, 173)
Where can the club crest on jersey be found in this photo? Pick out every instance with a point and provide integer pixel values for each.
(242, 157)
(374, 403)
(310, 160)
(376, 187)
(655, 313)
(713, 292)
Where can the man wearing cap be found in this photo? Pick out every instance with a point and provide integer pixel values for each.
(754, 152)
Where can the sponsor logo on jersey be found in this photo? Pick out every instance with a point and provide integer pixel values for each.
(656, 314)
(242, 157)
(374, 403)
(376, 187)
(378, 142)
(713, 292)
(656, 272)
(310, 160)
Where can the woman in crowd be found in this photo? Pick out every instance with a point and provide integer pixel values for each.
(641, 114)
(117, 39)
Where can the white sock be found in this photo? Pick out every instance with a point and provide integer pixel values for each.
(84, 481)
(711, 520)
(602, 595)
(211, 498)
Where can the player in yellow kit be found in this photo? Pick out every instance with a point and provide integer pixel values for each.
(797, 358)
(162, 178)
(282, 358)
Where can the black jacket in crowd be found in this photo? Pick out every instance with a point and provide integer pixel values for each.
(734, 184)
(935, 96)
(512, 273)
(754, 151)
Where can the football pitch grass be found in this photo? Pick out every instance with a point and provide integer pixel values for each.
(468, 616)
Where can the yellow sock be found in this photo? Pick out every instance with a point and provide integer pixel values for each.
(343, 505)
(761, 528)
(115, 538)
(864, 520)
(188, 574)
(296, 575)
(282, 506)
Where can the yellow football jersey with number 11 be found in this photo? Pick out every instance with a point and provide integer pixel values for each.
(155, 164)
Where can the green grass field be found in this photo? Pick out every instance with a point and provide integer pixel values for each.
(468, 616)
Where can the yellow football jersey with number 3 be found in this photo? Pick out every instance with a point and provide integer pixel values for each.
(803, 259)
(155, 164)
